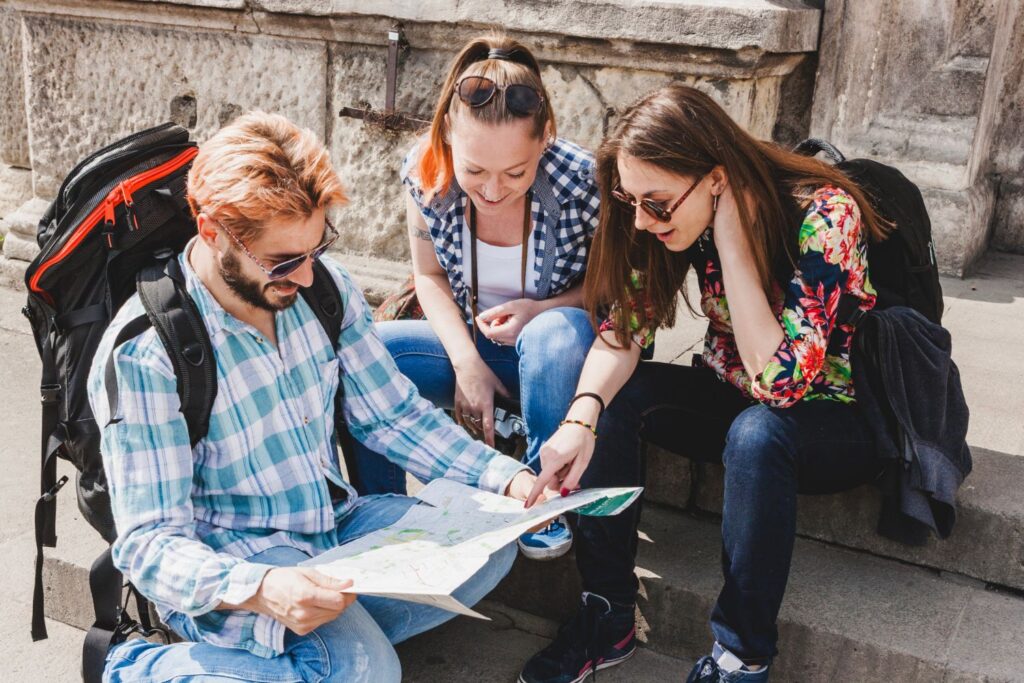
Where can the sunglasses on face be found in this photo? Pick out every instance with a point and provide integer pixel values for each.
(655, 210)
(286, 268)
(521, 100)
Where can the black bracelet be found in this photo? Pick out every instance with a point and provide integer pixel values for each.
(588, 394)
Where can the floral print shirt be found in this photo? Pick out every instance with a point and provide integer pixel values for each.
(813, 360)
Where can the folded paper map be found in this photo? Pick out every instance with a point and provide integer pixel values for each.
(438, 545)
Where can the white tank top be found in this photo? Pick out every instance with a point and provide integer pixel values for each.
(499, 273)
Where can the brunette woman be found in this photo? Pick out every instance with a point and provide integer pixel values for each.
(501, 213)
(778, 242)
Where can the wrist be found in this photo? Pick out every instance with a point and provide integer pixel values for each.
(466, 359)
(587, 406)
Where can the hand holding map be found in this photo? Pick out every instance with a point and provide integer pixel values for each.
(438, 545)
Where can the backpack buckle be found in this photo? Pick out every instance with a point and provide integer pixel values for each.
(55, 489)
(49, 393)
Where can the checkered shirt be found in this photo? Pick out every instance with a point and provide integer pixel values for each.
(564, 206)
(188, 519)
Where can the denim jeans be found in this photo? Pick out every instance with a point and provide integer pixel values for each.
(770, 455)
(357, 646)
(541, 371)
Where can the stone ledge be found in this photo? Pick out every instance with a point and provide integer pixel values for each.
(787, 26)
(847, 616)
(844, 611)
(782, 26)
(987, 542)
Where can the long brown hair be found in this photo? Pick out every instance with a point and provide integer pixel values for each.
(521, 68)
(683, 131)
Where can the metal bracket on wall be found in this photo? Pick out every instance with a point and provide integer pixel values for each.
(389, 119)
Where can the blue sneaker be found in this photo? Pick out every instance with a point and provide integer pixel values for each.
(550, 542)
(725, 667)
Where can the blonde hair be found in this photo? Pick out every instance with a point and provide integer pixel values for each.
(259, 168)
(435, 161)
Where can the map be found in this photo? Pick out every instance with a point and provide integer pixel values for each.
(438, 545)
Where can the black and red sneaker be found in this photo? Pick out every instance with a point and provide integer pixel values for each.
(602, 634)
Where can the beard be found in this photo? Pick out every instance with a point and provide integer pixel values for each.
(253, 292)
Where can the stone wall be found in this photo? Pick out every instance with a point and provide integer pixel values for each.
(124, 65)
(933, 87)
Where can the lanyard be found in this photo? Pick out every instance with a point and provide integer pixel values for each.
(473, 298)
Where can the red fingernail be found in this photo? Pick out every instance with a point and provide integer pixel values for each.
(564, 492)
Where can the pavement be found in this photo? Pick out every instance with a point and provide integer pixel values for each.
(985, 314)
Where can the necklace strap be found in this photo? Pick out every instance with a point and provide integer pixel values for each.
(474, 298)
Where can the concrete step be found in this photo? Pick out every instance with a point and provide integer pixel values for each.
(465, 649)
(847, 616)
(987, 542)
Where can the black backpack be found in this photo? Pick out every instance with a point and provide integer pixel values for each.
(902, 268)
(116, 227)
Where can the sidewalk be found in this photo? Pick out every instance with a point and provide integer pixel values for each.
(985, 314)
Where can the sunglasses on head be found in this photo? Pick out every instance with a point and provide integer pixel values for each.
(286, 268)
(477, 91)
(655, 210)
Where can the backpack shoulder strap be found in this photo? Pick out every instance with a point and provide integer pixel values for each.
(177, 320)
(324, 298)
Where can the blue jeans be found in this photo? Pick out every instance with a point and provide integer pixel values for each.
(357, 646)
(770, 455)
(541, 371)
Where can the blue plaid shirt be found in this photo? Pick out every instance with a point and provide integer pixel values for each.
(188, 519)
(564, 206)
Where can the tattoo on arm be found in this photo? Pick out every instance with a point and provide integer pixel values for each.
(421, 234)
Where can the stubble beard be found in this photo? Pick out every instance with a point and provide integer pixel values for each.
(250, 291)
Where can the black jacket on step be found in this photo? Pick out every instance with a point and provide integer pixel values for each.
(909, 389)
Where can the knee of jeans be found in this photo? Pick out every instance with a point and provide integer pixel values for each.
(754, 438)
(366, 659)
(559, 335)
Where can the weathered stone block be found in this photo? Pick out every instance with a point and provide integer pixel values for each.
(13, 124)
(912, 86)
(960, 223)
(669, 480)
(1008, 228)
(92, 91)
(19, 248)
(15, 190)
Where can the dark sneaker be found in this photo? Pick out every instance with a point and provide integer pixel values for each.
(724, 667)
(601, 635)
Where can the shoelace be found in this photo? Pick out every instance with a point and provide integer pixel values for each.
(705, 671)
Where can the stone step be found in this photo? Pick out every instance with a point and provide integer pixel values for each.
(465, 649)
(987, 542)
(847, 616)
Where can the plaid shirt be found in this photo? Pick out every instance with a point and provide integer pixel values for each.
(564, 206)
(187, 519)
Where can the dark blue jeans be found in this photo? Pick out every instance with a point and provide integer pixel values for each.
(770, 455)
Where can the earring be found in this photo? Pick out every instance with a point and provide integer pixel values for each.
(714, 205)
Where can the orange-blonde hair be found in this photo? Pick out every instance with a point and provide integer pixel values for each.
(259, 168)
(435, 159)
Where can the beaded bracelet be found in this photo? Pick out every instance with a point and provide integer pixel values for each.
(581, 423)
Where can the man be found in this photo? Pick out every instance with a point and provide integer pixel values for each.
(212, 534)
